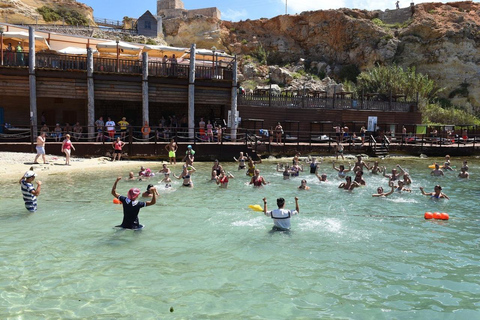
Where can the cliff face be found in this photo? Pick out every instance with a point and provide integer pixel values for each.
(441, 40)
(25, 11)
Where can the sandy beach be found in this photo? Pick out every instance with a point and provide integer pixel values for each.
(14, 164)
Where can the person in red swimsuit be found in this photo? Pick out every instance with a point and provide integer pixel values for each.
(257, 180)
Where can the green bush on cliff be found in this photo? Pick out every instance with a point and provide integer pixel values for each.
(435, 114)
(71, 17)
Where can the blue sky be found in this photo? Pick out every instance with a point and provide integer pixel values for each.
(238, 10)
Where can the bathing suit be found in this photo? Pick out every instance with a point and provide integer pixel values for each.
(257, 182)
(171, 154)
(251, 170)
(241, 163)
(286, 174)
(294, 172)
(67, 145)
(224, 180)
(186, 177)
(40, 150)
(313, 167)
(187, 184)
(434, 196)
(341, 174)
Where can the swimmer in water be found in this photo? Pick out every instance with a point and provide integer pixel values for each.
(257, 180)
(360, 164)
(322, 177)
(375, 168)
(186, 175)
(436, 194)
(464, 173)
(401, 187)
(303, 185)
(359, 178)
(251, 166)
(447, 165)
(339, 150)
(150, 191)
(167, 181)
(342, 172)
(348, 184)
(217, 167)
(465, 165)
(131, 176)
(223, 178)
(131, 207)
(285, 171)
(406, 179)
(314, 165)
(241, 161)
(295, 170)
(165, 170)
(381, 193)
(395, 174)
(437, 172)
(280, 216)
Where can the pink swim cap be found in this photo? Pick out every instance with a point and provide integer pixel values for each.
(133, 193)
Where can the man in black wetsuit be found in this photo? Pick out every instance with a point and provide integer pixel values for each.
(131, 206)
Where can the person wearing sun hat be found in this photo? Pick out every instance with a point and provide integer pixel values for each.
(30, 194)
(131, 207)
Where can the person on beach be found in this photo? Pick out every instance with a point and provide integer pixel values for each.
(437, 172)
(44, 129)
(278, 132)
(363, 132)
(257, 180)
(131, 207)
(186, 175)
(241, 161)
(463, 173)
(342, 172)
(110, 128)
(281, 216)
(40, 147)
(150, 191)
(251, 166)
(99, 124)
(77, 131)
(209, 131)
(29, 192)
(348, 184)
(117, 147)
(172, 148)
(201, 126)
(383, 194)
(223, 177)
(57, 132)
(436, 194)
(67, 147)
(303, 185)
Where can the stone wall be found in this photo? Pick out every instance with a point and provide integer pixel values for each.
(169, 4)
(395, 16)
(207, 12)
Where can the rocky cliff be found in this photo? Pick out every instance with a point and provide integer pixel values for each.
(441, 40)
(25, 11)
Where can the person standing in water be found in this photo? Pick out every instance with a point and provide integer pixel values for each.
(66, 148)
(131, 207)
(436, 194)
(281, 216)
(30, 194)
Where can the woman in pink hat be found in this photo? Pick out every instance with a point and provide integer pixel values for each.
(131, 207)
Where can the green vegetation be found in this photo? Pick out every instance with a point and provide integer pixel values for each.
(244, 41)
(150, 41)
(382, 24)
(435, 114)
(70, 17)
(261, 54)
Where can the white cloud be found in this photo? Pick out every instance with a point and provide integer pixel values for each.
(297, 6)
(234, 15)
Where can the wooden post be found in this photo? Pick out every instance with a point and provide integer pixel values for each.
(90, 96)
(145, 116)
(191, 94)
(233, 112)
(32, 81)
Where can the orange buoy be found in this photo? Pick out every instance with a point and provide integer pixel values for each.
(116, 201)
(437, 215)
(444, 216)
(428, 215)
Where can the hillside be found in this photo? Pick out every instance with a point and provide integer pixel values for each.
(25, 11)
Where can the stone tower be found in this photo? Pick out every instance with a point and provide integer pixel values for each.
(169, 4)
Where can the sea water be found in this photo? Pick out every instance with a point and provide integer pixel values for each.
(204, 254)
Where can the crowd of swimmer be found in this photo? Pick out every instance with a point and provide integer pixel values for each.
(399, 179)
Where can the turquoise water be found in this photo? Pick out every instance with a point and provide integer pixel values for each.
(205, 254)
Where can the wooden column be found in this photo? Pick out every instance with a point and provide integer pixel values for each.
(33, 81)
(145, 116)
(90, 96)
(233, 113)
(191, 95)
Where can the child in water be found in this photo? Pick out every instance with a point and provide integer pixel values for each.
(167, 180)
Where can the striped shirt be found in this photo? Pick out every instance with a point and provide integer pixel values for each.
(28, 197)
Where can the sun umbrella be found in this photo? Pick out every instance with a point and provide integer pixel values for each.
(161, 51)
(75, 51)
(19, 36)
(125, 50)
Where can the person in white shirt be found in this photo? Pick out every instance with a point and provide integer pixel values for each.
(110, 124)
(281, 217)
